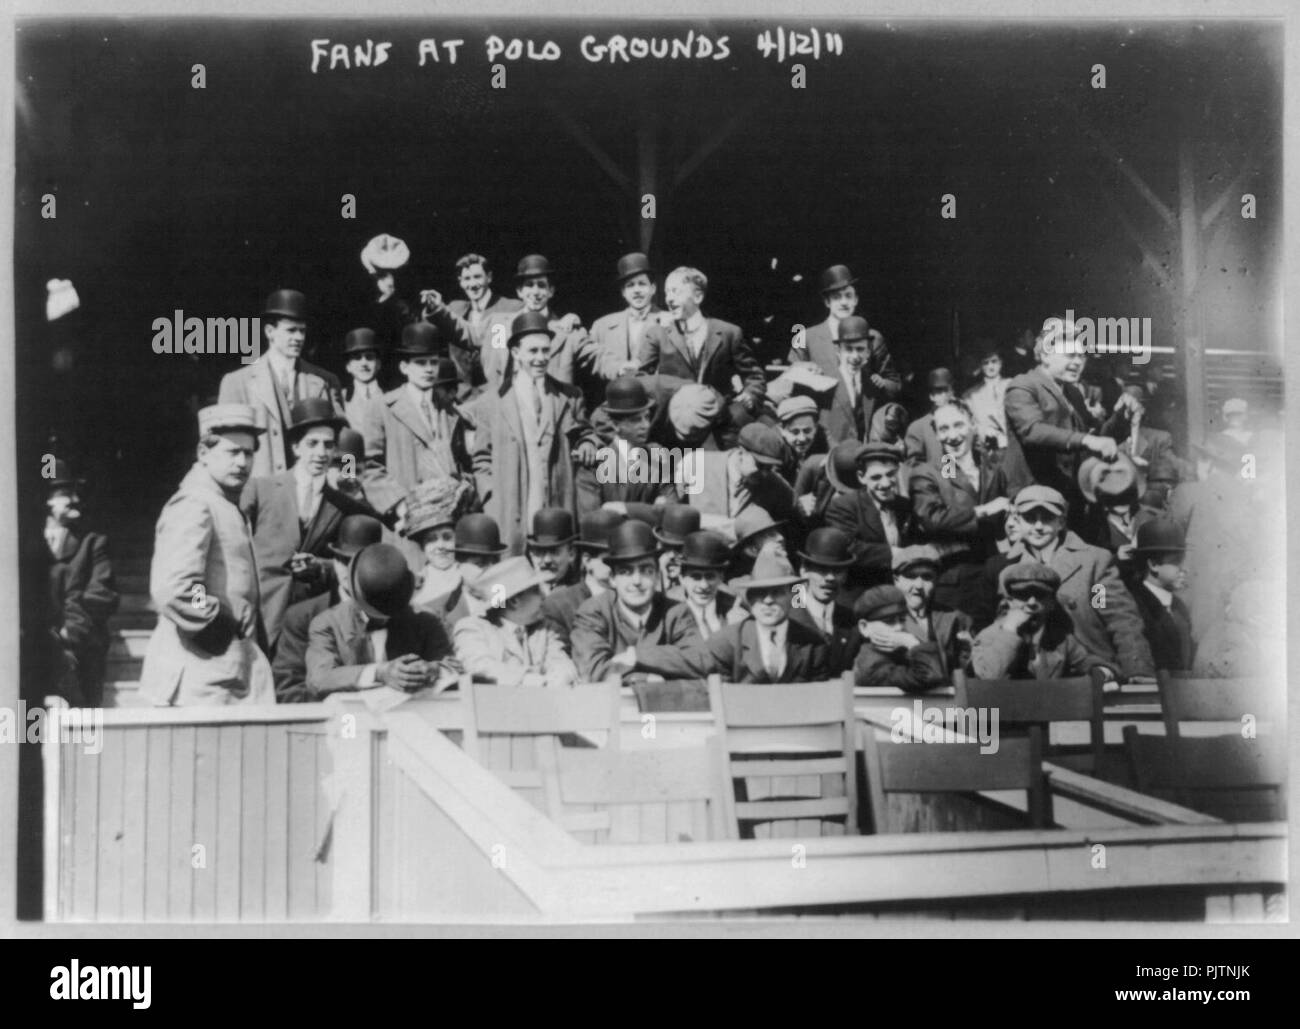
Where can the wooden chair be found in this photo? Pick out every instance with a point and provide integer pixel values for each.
(793, 748)
(1236, 779)
(1185, 699)
(911, 767)
(504, 723)
(1023, 703)
(660, 795)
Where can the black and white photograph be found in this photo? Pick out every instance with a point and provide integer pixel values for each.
(652, 469)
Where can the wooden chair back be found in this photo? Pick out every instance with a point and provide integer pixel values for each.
(657, 795)
(1188, 699)
(792, 746)
(913, 767)
(1230, 777)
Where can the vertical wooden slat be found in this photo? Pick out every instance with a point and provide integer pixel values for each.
(654, 823)
(67, 831)
(52, 782)
(85, 833)
(276, 849)
(158, 787)
(207, 780)
(135, 854)
(352, 852)
(302, 825)
(230, 795)
(252, 825)
(324, 869)
(181, 821)
(385, 829)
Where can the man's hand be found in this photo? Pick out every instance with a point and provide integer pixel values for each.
(568, 323)
(305, 567)
(884, 638)
(1103, 446)
(1015, 617)
(879, 381)
(407, 672)
(994, 507)
(749, 401)
(807, 503)
(586, 454)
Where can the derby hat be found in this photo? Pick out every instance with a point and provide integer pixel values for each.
(853, 329)
(631, 540)
(478, 534)
(705, 550)
(229, 418)
(677, 522)
(1028, 573)
(837, 276)
(63, 477)
(353, 444)
(1107, 480)
(769, 571)
(752, 521)
(446, 374)
(633, 264)
(526, 323)
(385, 253)
(939, 378)
(842, 465)
(764, 443)
(435, 502)
(1160, 536)
(382, 582)
(355, 532)
(594, 529)
(879, 602)
(313, 411)
(286, 303)
(532, 266)
(508, 579)
(626, 396)
(827, 548)
(358, 341)
(1040, 496)
(552, 527)
(420, 339)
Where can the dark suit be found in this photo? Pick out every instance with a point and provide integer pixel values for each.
(943, 627)
(600, 632)
(468, 363)
(560, 608)
(921, 443)
(1168, 631)
(873, 558)
(734, 654)
(82, 596)
(338, 648)
(290, 664)
(652, 462)
(821, 348)
(725, 354)
(844, 641)
(722, 603)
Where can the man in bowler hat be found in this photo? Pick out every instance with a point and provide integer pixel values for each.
(616, 340)
(858, 390)
(535, 286)
(825, 562)
(678, 522)
(550, 548)
(702, 563)
(629, 468)
(838, 287)
(477, 546)
(1160, 553)
(560, 608)
(361, 360)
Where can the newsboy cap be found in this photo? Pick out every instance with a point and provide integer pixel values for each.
(1028, 573)
(1040, 496)
(229, 417)
(880, 602)
(794, 407)
(763, 442)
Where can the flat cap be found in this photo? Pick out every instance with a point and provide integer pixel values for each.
(880, 602)
(222, 417)
(1040, 496)
(1025, 573)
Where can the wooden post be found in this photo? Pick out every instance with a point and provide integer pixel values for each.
(1193, 363)
(52, 758)
(351, 741)
(647, 152)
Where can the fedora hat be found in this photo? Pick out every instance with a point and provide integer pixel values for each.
(853, 328)
(1160, 536)
(705, 549)
(594, 529)
(631, 540)
(750, 522)
(526, 323)
(626, 396)
(358, 341)
(385, 253)
(532, 266)
(479, 534)
(419, 339)
(828, 547)
(837, 276)
(313, 411)
(633, 264)
(382, 582)
(769, 571)
(508, 579)
(677, 522)
(1107, 479)
(229, 417)
(434, 502)
(285, 303)
(764, 443)
(355, 532)
(552, 527)
(842, 465)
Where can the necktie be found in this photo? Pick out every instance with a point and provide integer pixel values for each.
(521, 639)
(427, 408)
(286, 384)
(537, 405)
(774, 663)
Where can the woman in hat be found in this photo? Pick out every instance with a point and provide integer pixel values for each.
(986, 399)
(477, 545)
(431, 514)
(510, 644)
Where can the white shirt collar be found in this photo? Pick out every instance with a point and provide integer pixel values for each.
(639, 620)
(765, 642)
(822, 614)
(695, 322)
(280, 364)
(1160, 593)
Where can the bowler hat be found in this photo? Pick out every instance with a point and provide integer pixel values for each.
(828, 548)
(869, 452)
(769, 571)
(633, 264)
(353, 444)
(678, 522)
(795, 407)
(286, 303)
(358, 341)
(527, 323)
(1107, 479)
(1160, 535)
(382, 582)
(705, 549)
(419, 339)
(552, 527)
(508, 579)
(837, 276)
(842, 465)
(229, 417)
(313, 411)
(939, 378)
(446, 374)
(63, 477)
(853, 328)
(752, 521)
(763, 442)
(533, 265)
(879, 602)
(1040, 496)
(478, 534)
(594, 529)
(631, 541)
(626, 396)
(355, 532)
(1028, 573)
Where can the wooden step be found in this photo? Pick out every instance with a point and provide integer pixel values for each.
(132, 621)
(123, 694)
(129, 643)
(131, 582)
(124, 668)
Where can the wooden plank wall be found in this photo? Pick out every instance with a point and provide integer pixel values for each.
(179, 823)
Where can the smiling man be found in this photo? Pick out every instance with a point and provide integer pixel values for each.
(614, 348)
(474, 276)
(535, 286)
(874, 516)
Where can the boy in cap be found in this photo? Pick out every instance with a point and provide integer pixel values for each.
(916, 571)
(375, 638)
(825, 562)
(628, 469)
(361, 354)
(767, 647)
(510, 643)
(754, 472)
(797, 420)
(550, 548)
(837, 285)
(1159, 555)
(560, 608)
(207, 647)
(890, 655)
(1031, 638)
(278, 379)
(874, 516)
(477, 547)
(703, 560)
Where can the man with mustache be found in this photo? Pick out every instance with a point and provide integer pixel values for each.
(1160, 552)
(550, 548)
(826, 559)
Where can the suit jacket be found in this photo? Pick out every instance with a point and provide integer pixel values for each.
(82, 596)
(1156, 447)
(610, 346)
(734, 654)
(469, 362)
(921, 443)
(600, 633)
(844, 640)
(255, 385)
(726, 355)
(289, 668)
(944, 506)
(565, 348)
(724, 604)
(271, 507)
(492, 651)
(821, 349)
(999, 654)
(399, 444)
(856, 514)
(840, 421)
(594, 491)
(944, 626)
(338, 649)
(560, 608)
(1172, 646)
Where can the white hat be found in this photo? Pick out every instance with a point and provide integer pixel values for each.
(385, 253)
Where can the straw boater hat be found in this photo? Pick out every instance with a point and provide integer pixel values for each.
(385, 253)
(1110, 479)
(229, 418)
(769, 571)
(502, 581)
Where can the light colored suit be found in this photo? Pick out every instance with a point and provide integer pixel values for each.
(494, 651)
(565, 346)
(610, 344)
(402, 451)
